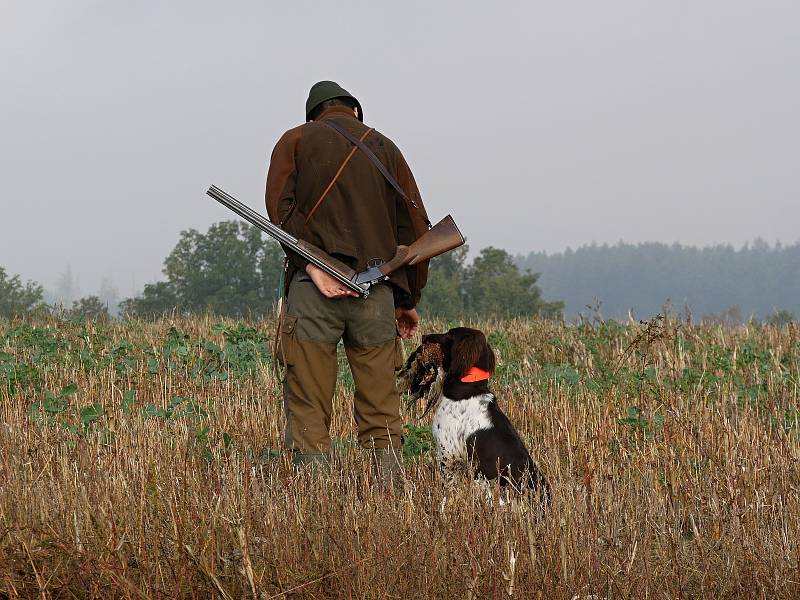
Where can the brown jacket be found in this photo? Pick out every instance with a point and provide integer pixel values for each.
(362, 217)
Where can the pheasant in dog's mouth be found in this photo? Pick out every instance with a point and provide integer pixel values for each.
(422, 376)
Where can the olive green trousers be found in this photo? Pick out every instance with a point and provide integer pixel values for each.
(312, 328)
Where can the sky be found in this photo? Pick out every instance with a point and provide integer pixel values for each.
(538, 125)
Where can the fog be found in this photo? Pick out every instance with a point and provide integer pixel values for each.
(539, 125)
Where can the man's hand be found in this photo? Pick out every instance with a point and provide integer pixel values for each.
(407, 322)
(327, 285)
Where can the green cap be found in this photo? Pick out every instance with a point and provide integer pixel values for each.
(326, 90)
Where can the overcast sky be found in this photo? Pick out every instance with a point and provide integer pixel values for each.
(539, 125)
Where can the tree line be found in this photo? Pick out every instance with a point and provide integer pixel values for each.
(234, 270)
(717, 283)
(18, 298)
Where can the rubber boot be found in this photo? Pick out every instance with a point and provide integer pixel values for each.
(387, 466)
(315, 461)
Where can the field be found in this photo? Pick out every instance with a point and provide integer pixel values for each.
(143, 460)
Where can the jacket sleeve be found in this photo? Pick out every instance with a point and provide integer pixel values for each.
(412, 222)
(281, 182)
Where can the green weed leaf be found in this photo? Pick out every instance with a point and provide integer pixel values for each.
(68, 390)
(153, 411)
(128, 400)
(91, 413)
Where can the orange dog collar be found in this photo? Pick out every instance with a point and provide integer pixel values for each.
(475, 374)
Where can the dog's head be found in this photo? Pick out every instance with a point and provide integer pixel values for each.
(440, 357)
(462, 348)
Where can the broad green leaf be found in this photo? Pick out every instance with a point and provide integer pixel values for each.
(193, 411)
(91, 413)
(175, 402)
(55, 406)
(128, 399)
(219, 329)
(212, 347)
(151, 410)
(68, 390)
(201, 435)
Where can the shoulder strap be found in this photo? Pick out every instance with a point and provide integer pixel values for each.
(335, 177)
(371, 155)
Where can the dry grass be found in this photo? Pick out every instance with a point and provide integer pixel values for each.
(672, 454)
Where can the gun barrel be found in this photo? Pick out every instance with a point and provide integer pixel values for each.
(248, 214)
(251, 216)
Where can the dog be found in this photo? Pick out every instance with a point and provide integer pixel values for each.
(470, 433)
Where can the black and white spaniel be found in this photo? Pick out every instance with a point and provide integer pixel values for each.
(471, 434)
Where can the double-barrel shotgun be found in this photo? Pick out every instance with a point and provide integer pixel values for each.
(441, 238)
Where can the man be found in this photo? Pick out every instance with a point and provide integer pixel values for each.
(323, 189)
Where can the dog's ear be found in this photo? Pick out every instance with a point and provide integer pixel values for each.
(470, 349)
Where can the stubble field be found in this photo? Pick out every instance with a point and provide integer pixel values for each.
(143, 460)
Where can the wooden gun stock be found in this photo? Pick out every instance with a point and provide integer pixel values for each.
(440, 238)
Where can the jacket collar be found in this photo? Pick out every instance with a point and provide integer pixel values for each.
(336, 112)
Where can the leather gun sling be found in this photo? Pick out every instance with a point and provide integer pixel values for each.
(335, 177)
(371, 155)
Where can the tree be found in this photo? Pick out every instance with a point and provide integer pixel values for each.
(730, 317)
(443, 295)
(494, 286)
(156, 299)
(88, 308)
(229, 270)
(780, 318)
(16, 298)
(638, 278)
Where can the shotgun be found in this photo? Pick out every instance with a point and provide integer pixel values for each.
(441, 238)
